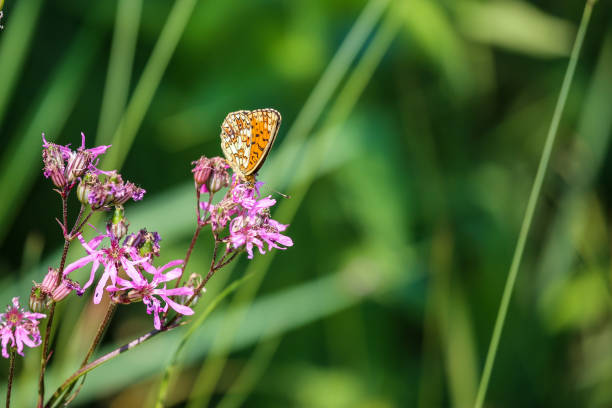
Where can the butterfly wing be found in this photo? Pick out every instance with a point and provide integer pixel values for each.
(235, 140)
(264, 125)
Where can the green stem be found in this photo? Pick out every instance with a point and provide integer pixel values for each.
(171, 367)
(531, 205)
(11, 374)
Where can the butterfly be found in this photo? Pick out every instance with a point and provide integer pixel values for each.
(246, 139)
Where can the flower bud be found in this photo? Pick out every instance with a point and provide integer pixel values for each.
(201, 171)
(38, 299)
(84, 188)
(65, 287)
(77, 165)
(220, 177)
(50, 281)
(54, 165)
(92, 191)
(119, 226)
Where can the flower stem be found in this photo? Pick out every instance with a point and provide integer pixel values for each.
(531, 205)
(11, 374)
(112, 306)
(193, 239)
(84, 370)
(44, 359)
(110, 311)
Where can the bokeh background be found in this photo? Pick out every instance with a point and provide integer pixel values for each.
(410, 139)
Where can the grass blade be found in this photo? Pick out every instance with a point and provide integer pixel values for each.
(119, 68)
(149, 82)
(531, 205)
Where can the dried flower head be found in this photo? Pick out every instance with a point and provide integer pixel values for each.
(65, 166)
(101, 189)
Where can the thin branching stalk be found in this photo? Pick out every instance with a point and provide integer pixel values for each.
(11, 374)
(531, 205)
(107, 357)
(171, 367)
(110, 311)
(196, 234)
(78, 224)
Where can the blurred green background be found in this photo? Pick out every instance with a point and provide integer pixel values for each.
(410, 139)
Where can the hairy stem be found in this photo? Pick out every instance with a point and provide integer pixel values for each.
(11, 374)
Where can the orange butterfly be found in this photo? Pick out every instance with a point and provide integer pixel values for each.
(246, 139)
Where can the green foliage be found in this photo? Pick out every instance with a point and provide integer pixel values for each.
(411, 135)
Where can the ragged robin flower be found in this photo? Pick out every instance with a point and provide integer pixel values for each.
(156, 299)
(19, 327)
(114, 257)
(248, 216)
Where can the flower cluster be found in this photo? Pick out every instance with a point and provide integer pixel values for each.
(211, 174)
(140, 289)
(248, 217)
(65, 166)
(19, 327)
(97, 188)
(133, 257)
(102, 189)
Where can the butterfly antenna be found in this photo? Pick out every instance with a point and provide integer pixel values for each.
(279, 193)
(282, 195)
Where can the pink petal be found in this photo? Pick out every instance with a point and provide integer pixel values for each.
(182, 309)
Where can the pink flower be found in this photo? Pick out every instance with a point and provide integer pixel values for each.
(19, 327)
(249, 220)
(153, 297)
(112, 258)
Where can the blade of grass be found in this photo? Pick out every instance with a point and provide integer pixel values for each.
(49, 114)
(254, 368)
(149, 82)
(163, 388)
(531, 205)
(342, 107)
(318, 99)
(119, 68)
(15, 45)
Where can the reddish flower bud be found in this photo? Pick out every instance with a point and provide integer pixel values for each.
(50, 281)
(201, 171)
(65, 288)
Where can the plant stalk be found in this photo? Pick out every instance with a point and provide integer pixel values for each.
(531, 205)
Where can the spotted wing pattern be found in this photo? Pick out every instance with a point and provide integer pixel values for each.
(246, 139)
